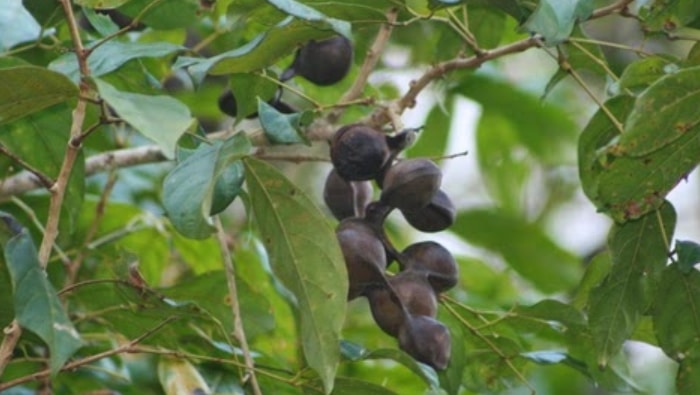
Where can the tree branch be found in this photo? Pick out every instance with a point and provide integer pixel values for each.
(385, 114)
(58, 189)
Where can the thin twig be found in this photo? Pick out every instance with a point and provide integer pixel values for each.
(45, 180)
(238, 331)
(125, 348)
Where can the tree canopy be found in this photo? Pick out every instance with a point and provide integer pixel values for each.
(227, 197)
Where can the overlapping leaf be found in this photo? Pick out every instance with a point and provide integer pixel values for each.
(47, 132)
(258, 53)
(305, 255)
(36, 304)
(110, 56)
(663, 114)
(162, 119)
(676, 311)
(28, 89)
(555, 19)
(627, 186)
(188, 189)
(281, 128)
(639, 252)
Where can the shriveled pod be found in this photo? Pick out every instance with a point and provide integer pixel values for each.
(427, 340)
(322, 62)
(364, 254)
(412, 295)
(346, 198)
(411, 184)
(438, 215)
(435, 261)
(359, 152)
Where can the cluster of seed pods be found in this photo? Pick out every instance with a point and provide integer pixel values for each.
(404, 305)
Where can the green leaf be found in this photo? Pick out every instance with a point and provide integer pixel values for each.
(263, 50)
(102, 23)
(544, 129)
(309, 14)
(487, 25)
(597, 269)
(48, 132)
(110, 56)
(101, 3)
(688, 380)
(250, 87)
(432, 139)
(162, 119)
(504, 168)
(188, 189)
(524, 247)
(688, 255)
(643, 72)
(210, 292)
(676, 311)
(664, 113)
(165, 15)
(426, 373)
(28, 89)
(629, 187)
(639, 253)
(669, 15)
(227, 187)
(305, 255)
(281, 128)
(451, 378)
(555, 19)
(596, 135)
(36, 304)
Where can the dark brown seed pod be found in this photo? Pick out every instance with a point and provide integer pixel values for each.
(415, 292)
(346, 198)
(408, 293)
(438, 215)
(323, 62)
(358, 152)
(435, 261)
(427, 340)
(364, 255)
(411, 184)
(388, 312)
